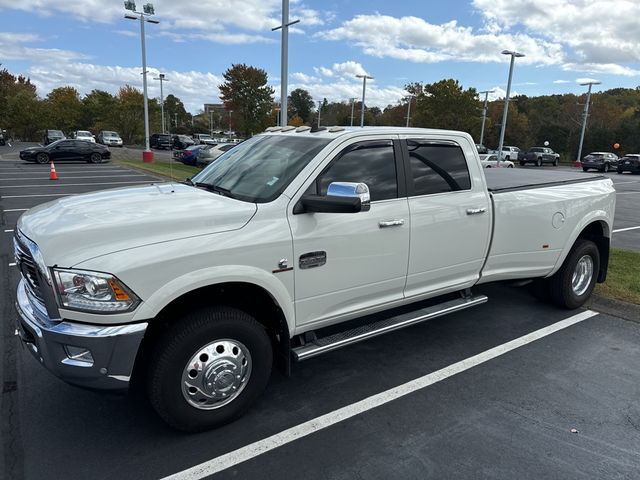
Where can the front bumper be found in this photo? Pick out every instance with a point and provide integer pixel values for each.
(113, 348)
(629, 167)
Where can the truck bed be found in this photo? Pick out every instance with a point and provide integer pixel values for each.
(511, 179)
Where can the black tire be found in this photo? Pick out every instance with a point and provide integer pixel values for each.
(555, 162)
(538, 162)
(181, 341)
(620, 171)
(585, 169)
(42, 158)
(560, 284)
(95, 157)
(522, 164)
(510, 166)
(605, 168)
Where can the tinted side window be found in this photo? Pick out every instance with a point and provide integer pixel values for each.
(371, 162)
(437, 167)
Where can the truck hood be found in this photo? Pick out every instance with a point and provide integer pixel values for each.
(77, 228)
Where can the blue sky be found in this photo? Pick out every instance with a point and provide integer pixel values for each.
(88, 44)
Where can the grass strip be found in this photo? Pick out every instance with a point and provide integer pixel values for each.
(176, 171)
(623, 280)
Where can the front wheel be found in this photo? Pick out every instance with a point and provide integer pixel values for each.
(538, 163)
(42, 158)
(209, 368)
(555, 163)
(510, 165)
(605, 169)
(572, 285)
(95, 158)
(585, 169)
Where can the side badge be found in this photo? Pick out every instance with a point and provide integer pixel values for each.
(283, 266)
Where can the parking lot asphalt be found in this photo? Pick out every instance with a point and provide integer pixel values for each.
(564, 406)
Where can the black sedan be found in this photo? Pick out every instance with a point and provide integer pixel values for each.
(67, 150)
(181, 142)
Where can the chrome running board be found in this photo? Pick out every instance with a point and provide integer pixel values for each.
(364, 332)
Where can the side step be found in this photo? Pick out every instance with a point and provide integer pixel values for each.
(355, 335)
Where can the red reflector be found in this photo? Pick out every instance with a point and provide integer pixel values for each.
(546, 245)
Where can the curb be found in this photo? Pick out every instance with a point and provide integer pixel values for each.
(617, 308)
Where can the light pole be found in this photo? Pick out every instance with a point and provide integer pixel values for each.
(585, 114)
(162, 79)
(514, 55)
(364, 89)
(319, 109)
(284, 59)
(484, 113)
(230, 112)
(144, 16)
(409, 109)
(211, 122)
(353, 103)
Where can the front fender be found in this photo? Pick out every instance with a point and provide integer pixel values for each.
(214, 276)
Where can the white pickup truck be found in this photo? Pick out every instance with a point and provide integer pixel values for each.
(196, 288)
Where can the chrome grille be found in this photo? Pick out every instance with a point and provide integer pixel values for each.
(28, 269)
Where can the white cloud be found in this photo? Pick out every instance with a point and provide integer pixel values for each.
(220, 21)
(561, 81)
(586, 80)
(416, 40)
(600, 35)
(499, 93)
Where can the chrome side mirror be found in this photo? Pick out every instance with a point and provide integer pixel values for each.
(352, 190)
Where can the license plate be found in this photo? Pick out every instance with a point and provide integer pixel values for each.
(627, 162)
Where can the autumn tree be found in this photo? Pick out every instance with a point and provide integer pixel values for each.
(98, 109)
(64, 109)
(301, 104)
(246, 93)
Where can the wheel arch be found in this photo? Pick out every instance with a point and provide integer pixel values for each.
(597, 230)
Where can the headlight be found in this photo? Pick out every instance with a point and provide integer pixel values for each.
(93, 292)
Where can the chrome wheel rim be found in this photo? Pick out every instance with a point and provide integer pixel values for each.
(582, 275)
(216, 374)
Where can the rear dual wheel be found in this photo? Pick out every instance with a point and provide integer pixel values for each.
(571, 286)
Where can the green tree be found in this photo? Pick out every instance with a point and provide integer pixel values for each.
(129, 115)
(301, 104)
(11, 85)
(98, 109)
(64, 109)
(176, 116)
(246, 93)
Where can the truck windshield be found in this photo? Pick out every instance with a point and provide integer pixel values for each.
(259, 169)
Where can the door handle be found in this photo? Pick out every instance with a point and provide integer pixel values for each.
(475, 211)
(391, 223)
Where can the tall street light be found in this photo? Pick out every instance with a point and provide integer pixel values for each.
(585, 114)
(364, 89)
(319, 110)
(353, 103)
(144, 16)
(484, 113)
(284, 59)
(409, 109)
(230, 112)
(514, 55)
(162, 79)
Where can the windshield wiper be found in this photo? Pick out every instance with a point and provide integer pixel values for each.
(189, 182)
(216, 189)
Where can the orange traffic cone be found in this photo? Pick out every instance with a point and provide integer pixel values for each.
(53, 175)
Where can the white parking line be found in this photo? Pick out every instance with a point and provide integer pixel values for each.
(38, 195)
(8, 231)
(12, 264)
(253, 450)
(78, 184)
(46, 177)
(626, 193)
(625, 229)
(16, 210)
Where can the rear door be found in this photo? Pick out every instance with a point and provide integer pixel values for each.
(450, 215)
(360, 258)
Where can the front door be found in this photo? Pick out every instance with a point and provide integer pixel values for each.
(349, 263)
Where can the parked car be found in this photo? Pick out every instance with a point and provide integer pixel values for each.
(189, 155)
(66, 149)
(203, 139)
(538, 156)
(208, 155)
(110, 138)
(482, 150)
(491, 161)
(602, 161)
(181, 142)
(51, 136)
(83, 135)
(209, 283)
(510, 153)
(629, 163)
(160, 140)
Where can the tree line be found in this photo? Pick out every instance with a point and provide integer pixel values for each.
(250, 107)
